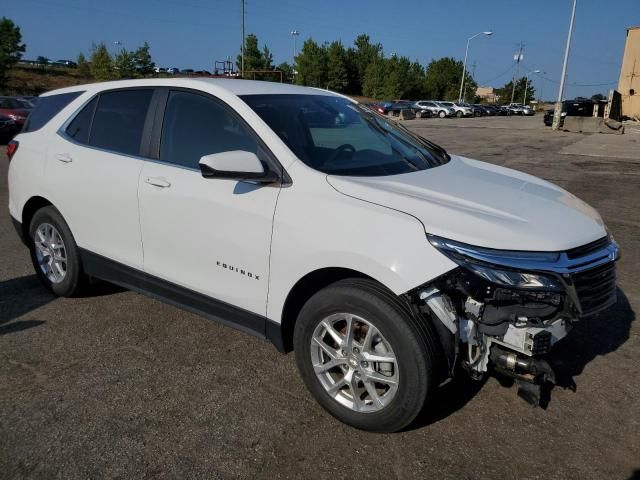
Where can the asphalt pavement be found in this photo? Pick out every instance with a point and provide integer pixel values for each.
(117, 385)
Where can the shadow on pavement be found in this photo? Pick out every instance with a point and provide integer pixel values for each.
(19, 296)
(591, 338)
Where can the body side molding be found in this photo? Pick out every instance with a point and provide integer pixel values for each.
(111, 271)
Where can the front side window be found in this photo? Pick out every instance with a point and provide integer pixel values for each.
(196, 125)
(335, 136)
(119, 119)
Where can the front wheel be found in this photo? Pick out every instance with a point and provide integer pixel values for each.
(442, 114)
(364, 356)
(459, 114)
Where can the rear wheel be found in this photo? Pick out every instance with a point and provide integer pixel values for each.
(363, 355)
(442, 114)
(459, 114)
(54, 253)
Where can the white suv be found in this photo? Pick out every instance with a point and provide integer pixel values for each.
(304, 218)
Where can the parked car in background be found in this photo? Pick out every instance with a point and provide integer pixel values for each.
(160, 70)
(8, 128)
(17, 110)
(460, 109)
(381, 107)
(515, 109)
(524, 109)
(202, 72)
(398, 105)
(64, 63)
(578, 107)
(188, 71)
(434, 108)
(483, 109)
(173, 70)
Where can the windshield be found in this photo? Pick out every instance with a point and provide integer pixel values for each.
(338, 137)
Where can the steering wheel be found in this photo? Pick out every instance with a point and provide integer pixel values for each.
(342, 148)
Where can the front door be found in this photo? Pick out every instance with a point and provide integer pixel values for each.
(209, 235)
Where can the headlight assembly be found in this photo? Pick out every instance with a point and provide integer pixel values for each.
(501, 267)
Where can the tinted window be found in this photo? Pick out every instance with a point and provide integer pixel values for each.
(336, 136)
(78, 129)
(119, 120)
(47, 108)
(195, 125)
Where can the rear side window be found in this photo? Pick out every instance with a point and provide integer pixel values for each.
(47, 108)
(195, 125)
(78, 129)
(119, 119)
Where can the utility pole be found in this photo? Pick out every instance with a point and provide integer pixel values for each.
(557, 112)
(518, 57)
(243, 42)
(473, 70)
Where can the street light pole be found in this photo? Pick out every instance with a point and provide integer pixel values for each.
(526, 85)
(557, 112)
(294, 34)
(464, 65)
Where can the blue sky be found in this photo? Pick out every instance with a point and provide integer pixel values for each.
(194, 33)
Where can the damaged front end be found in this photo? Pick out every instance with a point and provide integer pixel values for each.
(502, 311)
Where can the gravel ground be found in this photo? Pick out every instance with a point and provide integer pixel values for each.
(116, 385)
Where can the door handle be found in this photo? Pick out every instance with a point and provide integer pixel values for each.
(63, 157)
(157, 182)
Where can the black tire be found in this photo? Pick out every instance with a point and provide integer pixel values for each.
(459, 114)
(418, 114)
(411, 340)
(74, 279)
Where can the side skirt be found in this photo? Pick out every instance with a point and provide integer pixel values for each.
(130, 278)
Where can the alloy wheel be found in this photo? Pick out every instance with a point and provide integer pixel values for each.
(50, 252)
(354, 362)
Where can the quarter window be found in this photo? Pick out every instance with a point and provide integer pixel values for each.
(119, 120)
(47, 108)
(195, 125)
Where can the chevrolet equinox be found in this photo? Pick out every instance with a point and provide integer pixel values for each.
(298, 215)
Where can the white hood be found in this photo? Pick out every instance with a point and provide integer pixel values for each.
(483, 204)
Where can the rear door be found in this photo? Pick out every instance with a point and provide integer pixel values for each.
(209, 235)
(92, 173)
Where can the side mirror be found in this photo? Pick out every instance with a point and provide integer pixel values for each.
(236, 165)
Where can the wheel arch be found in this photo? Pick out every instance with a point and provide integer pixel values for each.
(32, 205)
(302, 290)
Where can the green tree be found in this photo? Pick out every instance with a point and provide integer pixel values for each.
(361, 57)
(253, 59)
(83, 66)
(267, 59)
(374, 79)
(42, 61)
(504, 93)
(337, 70)
(11, 47)
(124, 64)
(101, 63)
(311, 64)
(287, 72)
(144, 65)
(443, 80)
